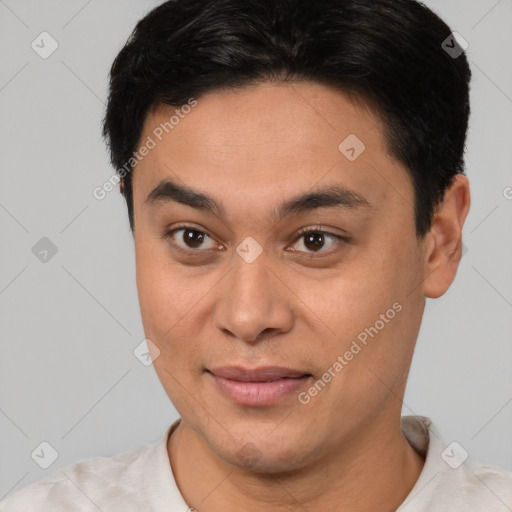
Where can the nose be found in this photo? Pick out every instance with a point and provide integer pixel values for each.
(253, 304)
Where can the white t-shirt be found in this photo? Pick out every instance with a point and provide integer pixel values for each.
(141, 480)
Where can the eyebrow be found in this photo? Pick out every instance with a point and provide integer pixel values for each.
(331, 196)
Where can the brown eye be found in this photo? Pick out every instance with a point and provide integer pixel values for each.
(315, 241)
(191, 239)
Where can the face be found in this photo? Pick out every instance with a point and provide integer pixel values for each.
(278, 271)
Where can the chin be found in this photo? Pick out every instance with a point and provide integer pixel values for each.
(263, 453)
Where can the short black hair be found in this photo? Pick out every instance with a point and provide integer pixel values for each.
(389, 52)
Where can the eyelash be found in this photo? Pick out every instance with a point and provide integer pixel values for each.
(301, 233)
(306, 231)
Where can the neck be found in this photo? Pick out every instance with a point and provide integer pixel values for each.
(373, 471)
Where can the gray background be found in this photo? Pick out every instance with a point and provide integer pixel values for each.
(69, 325)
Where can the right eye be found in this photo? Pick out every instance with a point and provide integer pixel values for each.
(190, 239)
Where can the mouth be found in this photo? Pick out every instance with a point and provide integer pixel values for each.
(260, 386)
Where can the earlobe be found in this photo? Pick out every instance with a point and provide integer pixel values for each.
(443, 247)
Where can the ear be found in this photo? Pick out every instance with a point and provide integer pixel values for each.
(443, 244)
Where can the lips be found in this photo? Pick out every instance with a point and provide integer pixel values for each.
(265, 374)
(260, 386)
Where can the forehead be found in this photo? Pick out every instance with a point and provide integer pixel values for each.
(302, 113)
(269, 140)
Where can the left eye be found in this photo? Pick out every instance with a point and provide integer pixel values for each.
(191, 239)
(315, 241)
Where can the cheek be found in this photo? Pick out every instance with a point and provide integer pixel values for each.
(154, 291)
(347, 307)
(166, 306)
(172, 304)
(161, 296)
(161, 293)
(349, 300)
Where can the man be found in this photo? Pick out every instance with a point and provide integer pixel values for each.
(293, 171)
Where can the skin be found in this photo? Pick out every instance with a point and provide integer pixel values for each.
(250, 149)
